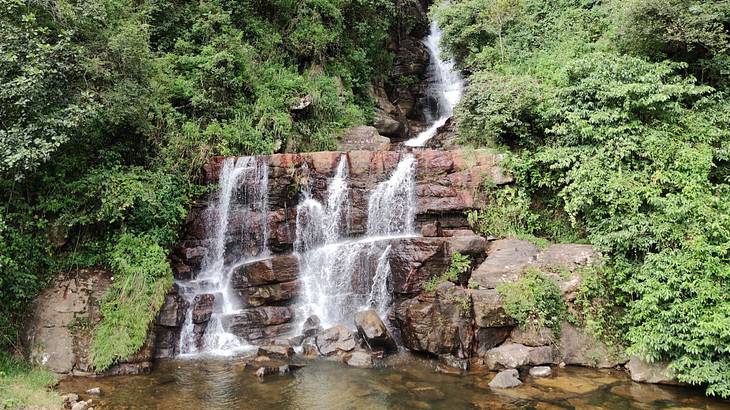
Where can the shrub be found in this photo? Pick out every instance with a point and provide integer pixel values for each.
(534, 300)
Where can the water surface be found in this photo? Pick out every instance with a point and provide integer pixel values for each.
(404, 383)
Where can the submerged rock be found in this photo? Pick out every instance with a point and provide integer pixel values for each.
(335, 339)
(506, 379)
(94, 391)
(360, 359)
(373, 331)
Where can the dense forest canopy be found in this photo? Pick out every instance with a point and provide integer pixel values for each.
(616, 115)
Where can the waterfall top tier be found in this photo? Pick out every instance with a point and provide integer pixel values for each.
(444, 88)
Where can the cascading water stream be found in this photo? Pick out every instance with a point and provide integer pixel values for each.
(341, 275)
(243, 191)
(445, 87)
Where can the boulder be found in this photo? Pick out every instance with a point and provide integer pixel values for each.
(513, 355)
(644, 372)
(506, 379)
(203, 307)
(363, 137)
(532, 335)
(373, 331)
(541, 371)
(266, 322)
(488, 310)
(413, 261)
(334, 340)
(439, 323)
(579, 347)
(360, 359)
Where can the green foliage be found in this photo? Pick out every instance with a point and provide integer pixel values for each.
(460, 264)
(506, 214)
(534, 300)
(25, 386)
(143, 279)
(109, 109)
(618, 122)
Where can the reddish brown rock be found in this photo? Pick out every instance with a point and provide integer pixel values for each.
(276, 269)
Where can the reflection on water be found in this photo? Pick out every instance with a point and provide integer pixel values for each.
(405, 383)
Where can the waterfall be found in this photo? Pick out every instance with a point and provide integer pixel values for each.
(445, 87)
(342, 275)
(242, 197)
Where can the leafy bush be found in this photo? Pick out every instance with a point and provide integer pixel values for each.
(506, 214)
(534, 300)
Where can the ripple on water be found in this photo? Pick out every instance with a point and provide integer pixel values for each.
(404, 383)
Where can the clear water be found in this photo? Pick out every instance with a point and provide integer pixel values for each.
(403, 383)
(445, 87)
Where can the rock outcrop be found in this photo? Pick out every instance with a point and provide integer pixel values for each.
(58, 332)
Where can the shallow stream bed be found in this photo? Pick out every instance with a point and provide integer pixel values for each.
(404, 383)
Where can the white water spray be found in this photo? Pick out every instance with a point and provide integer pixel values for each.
(445, 87)
(243, 189)
(341, 276)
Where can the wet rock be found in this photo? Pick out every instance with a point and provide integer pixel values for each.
(532, 335)
(578, 347)
(360, 359)
(431, 230)
(94, 391)
(311, 326)
(513, 355)
(172, 313)
(541, 371)
(203, 307)
(363, 137)
(277, 293)
(276, 269)
(506, 262)
(264, 371)
(645, 372)
(488, 338)
(452, 362)
(296, 340)
(427, 393)
(373, 331)
(335, 339)
(276, 351)
(266, 322)
(309, 347)
(439, 323)
(506, 379)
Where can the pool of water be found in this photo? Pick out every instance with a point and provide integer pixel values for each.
(404, 382)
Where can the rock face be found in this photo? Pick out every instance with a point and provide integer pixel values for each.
(373, 331)
(367, 138)
(58, 332)
(439, 323)
(513, 355)
(266, 322)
